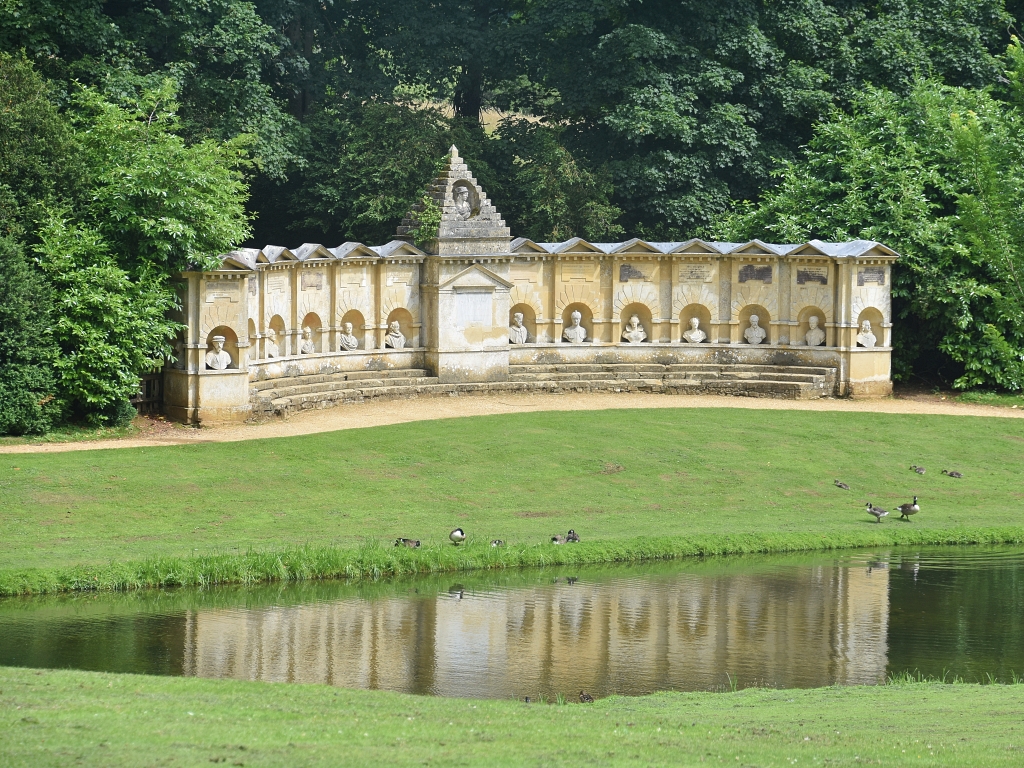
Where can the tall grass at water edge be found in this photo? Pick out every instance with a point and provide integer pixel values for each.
(377, 559)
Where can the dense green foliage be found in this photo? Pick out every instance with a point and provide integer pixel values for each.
(698, 484)
(936, 173)
(109, 720)
(27, 389)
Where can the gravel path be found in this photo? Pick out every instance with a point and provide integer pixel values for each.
(375, 413)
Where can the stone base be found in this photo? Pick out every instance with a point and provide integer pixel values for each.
(469, 367)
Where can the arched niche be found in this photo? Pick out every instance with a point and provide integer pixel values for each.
(876, 318)
(311, 321)
(702, 313)
(804, 325)
(529, 320)
(355, 317)
(586, 319)
(253, 350)
(404, 318)
(643, 312)
(230, 344)
(280, 338)
(764, 320)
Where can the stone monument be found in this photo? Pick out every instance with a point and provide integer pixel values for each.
(814, 337)
(307, 347)
(866, 338)
(634, 333)
(347, 341)
(575, 333)
(218, 358)
(517, 333)
(755, 334)
(695, 335)
(394, 338)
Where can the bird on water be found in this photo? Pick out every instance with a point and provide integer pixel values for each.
(906, 510)
(457, 536)
(877, 512)
(844, 486)
(954, 473)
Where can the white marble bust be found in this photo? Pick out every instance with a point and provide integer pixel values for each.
(394, 338)
(755, 334)
(218, 358)
(695, 335)
(517, 333)
(306, 346)
(634, 333)
(866, 338)
(270, 344)
(575, 333)
(347, 341)
(815, 337)
(462, 205)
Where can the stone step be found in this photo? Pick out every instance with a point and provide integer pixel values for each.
(321, 378)
(328, 386)
(815, 370)
(597, 376)
(589, 368)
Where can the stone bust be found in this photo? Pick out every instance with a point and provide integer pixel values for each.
(270, 344)
(634, 333)
(179, 354)
(866, 338)
(394, 338)
(815, 337)
(306, 346)
(575, 333)
(218, 358)
(347, 341)
(755, 334)
(517, 333)
(695, 335)
(463, 207)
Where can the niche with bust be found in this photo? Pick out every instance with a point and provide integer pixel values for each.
(699, 333)
(869, 329)
(638, 330)
(810, 330)
(352, 336)
(753, 332)
(310, 335)
(522, 330)
(465, 198)
(400, 334)
(275, 339)
(221, 349)
(578, 329)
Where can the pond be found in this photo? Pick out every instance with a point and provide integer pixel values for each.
(787, 621)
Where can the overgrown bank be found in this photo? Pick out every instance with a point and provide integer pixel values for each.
(377, 560)
(110, 720)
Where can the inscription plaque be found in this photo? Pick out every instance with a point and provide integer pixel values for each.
(627, 271)
(583, 271)
(695, 273)
(276, 283)
(874, 275)
(312, 281)
(230, 291)
(750, 272)
(806, 275)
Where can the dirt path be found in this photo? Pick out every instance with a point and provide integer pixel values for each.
(378, 413)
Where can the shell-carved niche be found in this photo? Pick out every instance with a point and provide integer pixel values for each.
(876, 296)
(636, 293)
(215, 315)
(524, 294)
(348, 301)
(695, 293)
(817, 296)
(760, 294)
(397, 299)
(576, 293)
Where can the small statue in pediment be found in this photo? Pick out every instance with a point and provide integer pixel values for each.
(463, 206)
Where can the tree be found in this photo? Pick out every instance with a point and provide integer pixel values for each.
(28, 393)
(938, 175)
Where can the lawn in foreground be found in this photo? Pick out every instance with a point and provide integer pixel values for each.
(56, 718)
(611, 475)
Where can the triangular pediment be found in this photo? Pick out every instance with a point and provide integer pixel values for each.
(636, 245)
(696, 246)
(577, 245)
(526, 246)
(241, 258)
(755, 248)
(476, 276)
(311, 251)
(352, 250)
(809, 249)
(397, 248)
(271, 254)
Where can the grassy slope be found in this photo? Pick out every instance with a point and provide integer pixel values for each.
(57, 718)
(681, 480)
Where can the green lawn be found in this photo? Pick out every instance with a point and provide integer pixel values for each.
(614, 476)
(58, 718)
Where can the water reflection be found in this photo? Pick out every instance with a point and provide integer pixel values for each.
(789, 622)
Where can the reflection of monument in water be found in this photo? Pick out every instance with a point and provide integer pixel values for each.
(804, 626)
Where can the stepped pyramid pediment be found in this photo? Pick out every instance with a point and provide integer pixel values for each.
(469, 224)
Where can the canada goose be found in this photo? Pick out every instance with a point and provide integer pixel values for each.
(844, 486)
(457, 536)
(952, 474)
(586, 698)
(573, 536)
(559, 539)
(906, 510)
(877, 512)
(497, 543)
(410, 543)
(919, 470)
